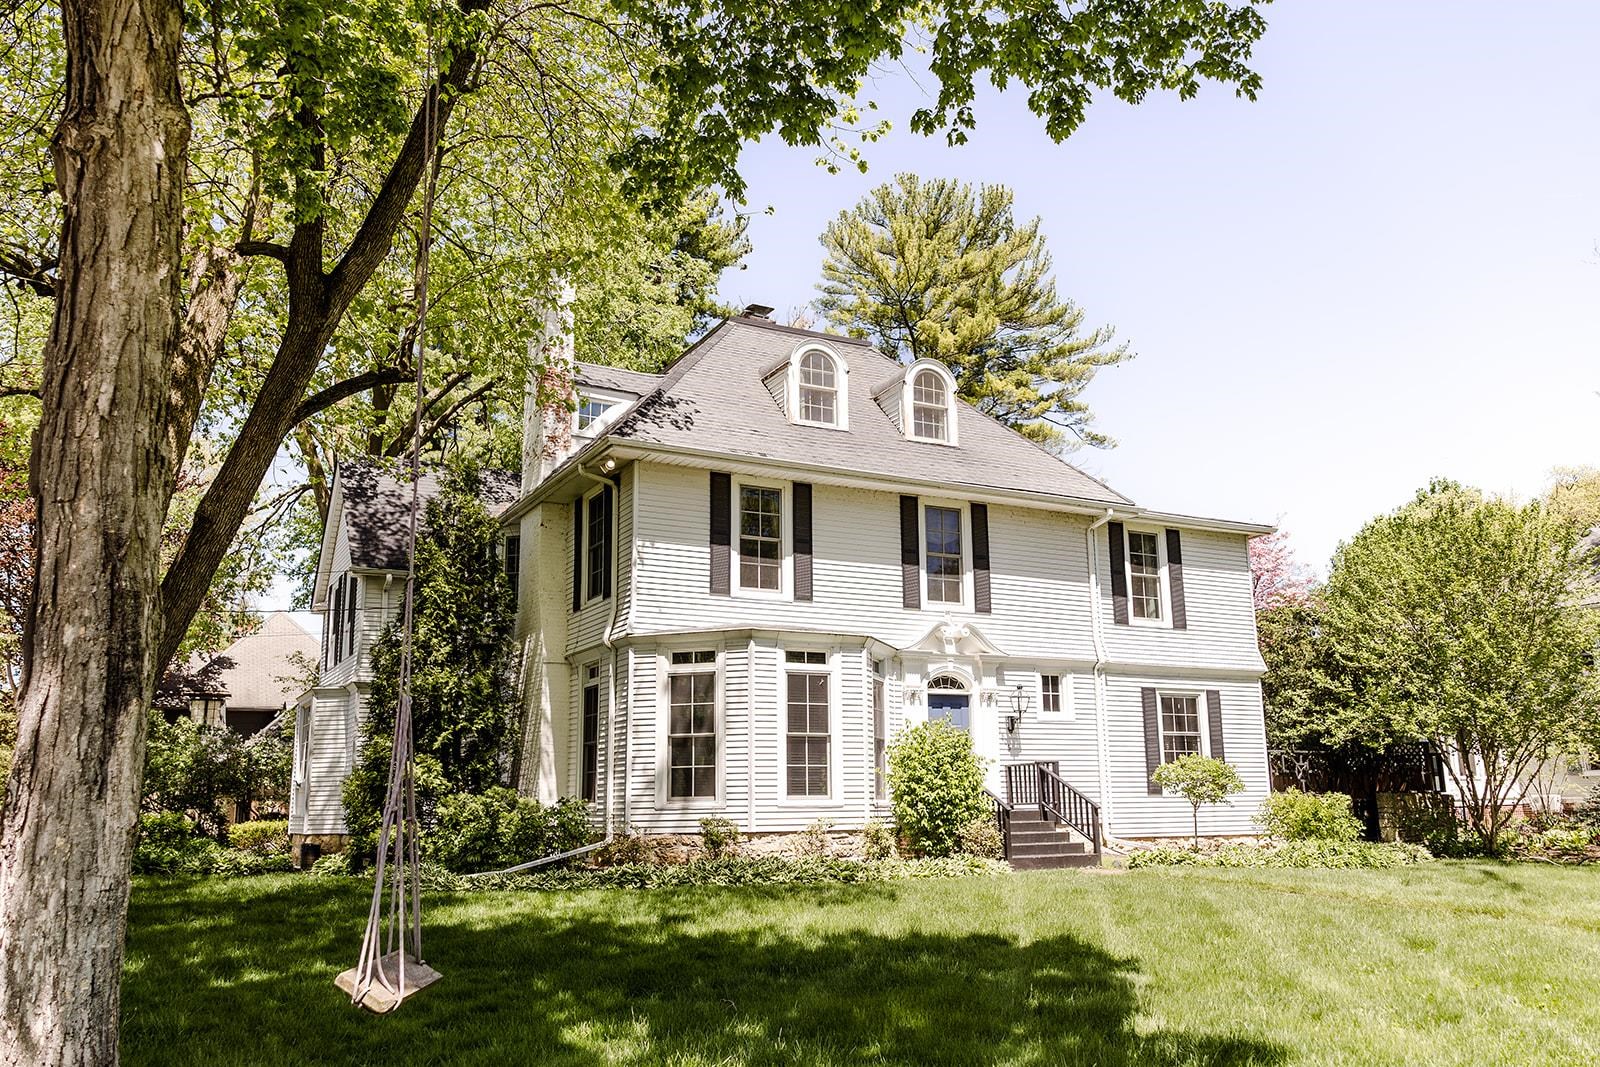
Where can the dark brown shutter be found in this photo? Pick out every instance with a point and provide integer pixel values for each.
(910, 554)
(980, 558)
(721, 531)
(1180, 613)
(1214, 723)
(577, 554)
(1119, 574)
(802, 540)
(338, 622)
(350, 602)
(1152, 740)
(608, 501)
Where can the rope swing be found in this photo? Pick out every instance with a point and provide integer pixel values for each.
(391, 966)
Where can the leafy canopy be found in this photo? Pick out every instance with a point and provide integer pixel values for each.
(934, 269)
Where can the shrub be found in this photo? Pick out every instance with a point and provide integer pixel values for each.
(1331, 854)
(1587, 812)
(1296, 816)
(813, 842)
(877, 841)
(499, 828)
(334, 866)
(981, 838)
(168, 843)
(937, 783)
(719, 836)
(1201, 780)
(264, 837)
(626, 850)
(729, 871)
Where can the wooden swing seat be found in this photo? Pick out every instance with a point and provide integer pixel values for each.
(385, 993)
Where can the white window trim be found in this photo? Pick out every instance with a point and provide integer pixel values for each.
(841, 381)
(1068, 712)
(664, 672)
(835, 794)
(785, 590)
(908, 420)
(1165, 621)
(592, 597)
(1203, 710)
(619, 403)
(966, 601)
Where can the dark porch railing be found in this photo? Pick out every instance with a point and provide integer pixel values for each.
(1002, 818)
(1039, 784)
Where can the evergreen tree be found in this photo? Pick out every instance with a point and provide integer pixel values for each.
(937, 269)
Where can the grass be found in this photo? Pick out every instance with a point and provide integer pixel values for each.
(1448, 963)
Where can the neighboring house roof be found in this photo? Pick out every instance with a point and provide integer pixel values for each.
(713, 399)
(377, 509)
(259, 669)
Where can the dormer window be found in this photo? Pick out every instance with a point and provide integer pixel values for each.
(819, 390)
(591, 410)
(929, 413)
(813, 391)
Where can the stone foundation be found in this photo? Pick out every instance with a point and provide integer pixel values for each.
(328, 843)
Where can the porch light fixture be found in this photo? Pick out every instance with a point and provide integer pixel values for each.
(1019, 706)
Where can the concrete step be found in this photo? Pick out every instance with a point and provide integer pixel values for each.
(1044, 863)
(1048, 848)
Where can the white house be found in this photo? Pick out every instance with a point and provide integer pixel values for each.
(739, 578)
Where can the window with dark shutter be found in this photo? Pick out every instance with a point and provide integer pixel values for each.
(1180, 614)
(802, 541)
(594, 549)
(577, 554)
(338, 622)
(721, 530)
(1152, 739)
(609, 495)
(980, 558)
(591, 733)
(1119, 574)
(910, 554)
(1214, 723)
(350, 605)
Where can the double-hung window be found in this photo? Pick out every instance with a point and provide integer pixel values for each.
(760, 537)
(819, 389)
(1180, 726)
(809, 733)
(591, 732)
(692, 725)
(1050, 694)
(880, 733)
(597, 538)
(942, 553)
(930, 407)
(1144, 575)
(513, 561)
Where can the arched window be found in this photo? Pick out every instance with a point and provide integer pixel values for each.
(930, 406)
(948, 682)
(819, 389)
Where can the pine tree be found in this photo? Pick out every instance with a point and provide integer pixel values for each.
(937, 269)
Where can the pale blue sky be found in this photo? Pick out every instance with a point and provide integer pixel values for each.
(1383, 270)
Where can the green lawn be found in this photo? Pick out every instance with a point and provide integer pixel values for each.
(1443, 964)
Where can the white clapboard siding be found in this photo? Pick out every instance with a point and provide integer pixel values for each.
(1137, 814)
(1039, 581)
(1221, 632)
(335, 717)
(586, 627)
(1069, 739)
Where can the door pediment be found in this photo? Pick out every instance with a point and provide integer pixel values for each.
(952, 638)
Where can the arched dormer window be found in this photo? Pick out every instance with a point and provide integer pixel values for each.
(817, 394)
(930, 409)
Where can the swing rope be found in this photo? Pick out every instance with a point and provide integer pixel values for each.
(392, 942)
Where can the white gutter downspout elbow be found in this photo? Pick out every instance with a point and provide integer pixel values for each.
(1097, 635)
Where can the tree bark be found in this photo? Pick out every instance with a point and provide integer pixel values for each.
(101, 483)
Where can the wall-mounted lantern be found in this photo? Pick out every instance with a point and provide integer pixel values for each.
(1019, 706)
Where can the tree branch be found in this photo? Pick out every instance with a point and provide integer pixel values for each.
(326, 398)
(398, 448)
(19, 390)
(270, 249)
(35, 276)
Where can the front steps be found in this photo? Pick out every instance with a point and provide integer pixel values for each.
(1039, 844)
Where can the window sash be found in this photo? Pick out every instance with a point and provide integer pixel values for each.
(760, 537)
(930, 407)
(692, 735)
(591, 740)
(809, 737)
(1144, 574)
(1050, 694)
(942, 554)
(1181, 727)
(591, 410)
(880, 739)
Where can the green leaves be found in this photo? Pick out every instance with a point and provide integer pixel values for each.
(934, 269)
(936, 781)
(1199, 779)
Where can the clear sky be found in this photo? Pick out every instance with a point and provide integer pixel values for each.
(1386, 268)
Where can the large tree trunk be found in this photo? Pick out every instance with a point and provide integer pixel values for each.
(100, 481)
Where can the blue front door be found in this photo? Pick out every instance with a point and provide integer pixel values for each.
(952, 706)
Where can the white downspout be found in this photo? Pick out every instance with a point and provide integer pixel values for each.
(1097, 634)
(750, 734)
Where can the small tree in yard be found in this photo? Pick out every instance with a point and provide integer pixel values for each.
(937, 784)
(1459, 620)
(1200, 780)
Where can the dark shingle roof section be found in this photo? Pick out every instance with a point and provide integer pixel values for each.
(377, 508)
(620, 379)
(713, 400)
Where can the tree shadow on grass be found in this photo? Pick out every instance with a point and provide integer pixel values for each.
(690, 977)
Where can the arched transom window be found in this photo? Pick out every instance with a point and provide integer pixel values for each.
(819, 389)
(948, 682)
(930, 406)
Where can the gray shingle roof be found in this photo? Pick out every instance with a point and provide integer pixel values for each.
(377, 507)
(619, 379)
(260, 670)
(713, 399)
